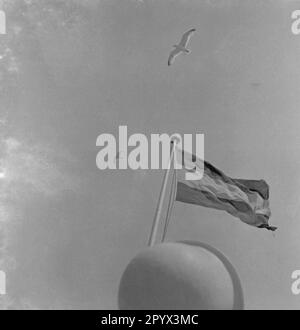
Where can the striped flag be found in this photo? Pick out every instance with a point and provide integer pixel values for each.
(247, 200)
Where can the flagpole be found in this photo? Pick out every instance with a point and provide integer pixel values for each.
(161, 198)
(171, 201)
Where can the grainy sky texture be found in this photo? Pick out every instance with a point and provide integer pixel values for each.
(71, 70)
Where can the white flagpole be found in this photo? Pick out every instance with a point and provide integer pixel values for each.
(161, 198)
(171, 200)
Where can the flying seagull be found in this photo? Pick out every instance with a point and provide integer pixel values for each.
(181, 47)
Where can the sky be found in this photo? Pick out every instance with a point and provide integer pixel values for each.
(72, 70)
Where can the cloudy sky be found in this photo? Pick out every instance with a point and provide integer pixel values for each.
(71, 70)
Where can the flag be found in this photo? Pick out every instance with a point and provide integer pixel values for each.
(247, 200)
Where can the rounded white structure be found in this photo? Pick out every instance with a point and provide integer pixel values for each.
(180, 275)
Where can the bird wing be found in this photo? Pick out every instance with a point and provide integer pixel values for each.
(186, 37)
(172, 55)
